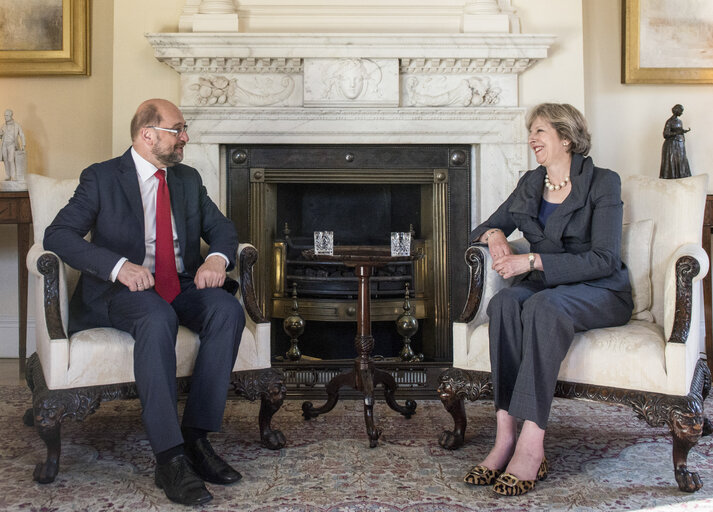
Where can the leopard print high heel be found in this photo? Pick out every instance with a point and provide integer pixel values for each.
(508, 484)
(480, 475)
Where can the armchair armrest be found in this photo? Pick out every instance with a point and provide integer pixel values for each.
(247, 256)
(254, 321)
(51, 313)
(484, 283)
(688, 265)
(682, 313)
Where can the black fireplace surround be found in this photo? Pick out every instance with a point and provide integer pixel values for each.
(278, 195)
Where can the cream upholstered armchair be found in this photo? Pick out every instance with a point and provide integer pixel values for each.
(71, 375)
(654, 363)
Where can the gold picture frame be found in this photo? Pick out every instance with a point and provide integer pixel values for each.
(634, 71)
(73, 58)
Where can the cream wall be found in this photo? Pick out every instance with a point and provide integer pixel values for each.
(137, 74)
(68, 124)
(72, 122)
(627, 120)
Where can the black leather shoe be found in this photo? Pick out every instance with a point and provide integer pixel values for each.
(180, 483)
(208, 465)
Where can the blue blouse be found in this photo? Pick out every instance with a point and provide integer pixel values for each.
(546, 209)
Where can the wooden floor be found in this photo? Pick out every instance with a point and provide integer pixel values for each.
(10, 373)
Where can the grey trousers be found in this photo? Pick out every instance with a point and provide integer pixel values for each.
(531, 329)
(218, 318)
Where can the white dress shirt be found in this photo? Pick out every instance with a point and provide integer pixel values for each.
(148, 185)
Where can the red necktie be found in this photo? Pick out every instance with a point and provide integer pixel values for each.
(167, 285)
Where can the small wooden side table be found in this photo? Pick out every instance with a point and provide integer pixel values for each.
(15, 209)
(364, 377)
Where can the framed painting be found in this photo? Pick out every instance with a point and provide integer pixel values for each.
(44, 37)
(667, 42)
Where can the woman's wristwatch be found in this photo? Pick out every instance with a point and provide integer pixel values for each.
(531, 259)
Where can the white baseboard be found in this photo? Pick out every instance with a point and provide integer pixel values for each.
(10, 338)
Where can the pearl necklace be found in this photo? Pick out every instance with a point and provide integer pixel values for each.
(552, 187)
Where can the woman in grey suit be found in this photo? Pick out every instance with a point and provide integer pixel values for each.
(572, 280)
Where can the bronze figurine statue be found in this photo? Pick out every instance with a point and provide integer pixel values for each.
(674, 163)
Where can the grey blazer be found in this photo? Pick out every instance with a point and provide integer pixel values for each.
(581, 242)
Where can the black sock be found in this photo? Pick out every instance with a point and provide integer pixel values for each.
(166, 455)
(191, 434)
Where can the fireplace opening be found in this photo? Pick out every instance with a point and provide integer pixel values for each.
(356, 213)
(278, 195)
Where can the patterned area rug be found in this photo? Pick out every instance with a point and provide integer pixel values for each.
(601, 458)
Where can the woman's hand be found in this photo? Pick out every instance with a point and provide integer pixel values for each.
(497, 244)
(511, 265)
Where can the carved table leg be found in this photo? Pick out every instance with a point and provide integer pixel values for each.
(344, 379)
(364, 382)
(389, 383)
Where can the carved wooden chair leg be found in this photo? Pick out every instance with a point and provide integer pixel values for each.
(271, 439)
(269, 386)
(454, 404)
(46, 472)
(686, 425)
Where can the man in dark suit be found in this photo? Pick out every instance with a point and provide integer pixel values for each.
(142, 272)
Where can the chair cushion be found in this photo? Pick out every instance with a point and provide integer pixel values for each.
(630, 357)
(636, 254)
(104, 355)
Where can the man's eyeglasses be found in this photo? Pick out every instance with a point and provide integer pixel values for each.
(174, 131)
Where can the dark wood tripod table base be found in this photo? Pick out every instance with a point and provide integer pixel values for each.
(364, 377)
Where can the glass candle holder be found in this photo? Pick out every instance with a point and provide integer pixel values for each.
(400, 243)
(324, 242)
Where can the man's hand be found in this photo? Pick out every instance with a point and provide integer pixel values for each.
(211, 274)
(135, 277)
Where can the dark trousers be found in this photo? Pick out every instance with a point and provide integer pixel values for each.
(531, 329)
(218, 319)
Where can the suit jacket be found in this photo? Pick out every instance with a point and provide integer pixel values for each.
(107, 203)
(581, 241)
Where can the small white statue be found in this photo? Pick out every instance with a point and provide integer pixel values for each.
(12, 149)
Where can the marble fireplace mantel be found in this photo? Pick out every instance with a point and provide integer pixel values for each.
(356, 88)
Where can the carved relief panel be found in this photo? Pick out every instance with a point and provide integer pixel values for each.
(242, 90)
(459, 90)
(351, 82)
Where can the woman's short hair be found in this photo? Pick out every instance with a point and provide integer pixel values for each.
(567, 121)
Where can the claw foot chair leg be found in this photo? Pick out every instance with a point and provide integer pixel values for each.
(687, 425)
(49, 409)
(46, 472)
(686, 433)
(269, 386)
(455, 385)
(455, 405)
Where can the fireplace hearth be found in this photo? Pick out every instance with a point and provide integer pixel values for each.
(278, 195)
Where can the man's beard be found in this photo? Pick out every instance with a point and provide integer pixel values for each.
(167, 158)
